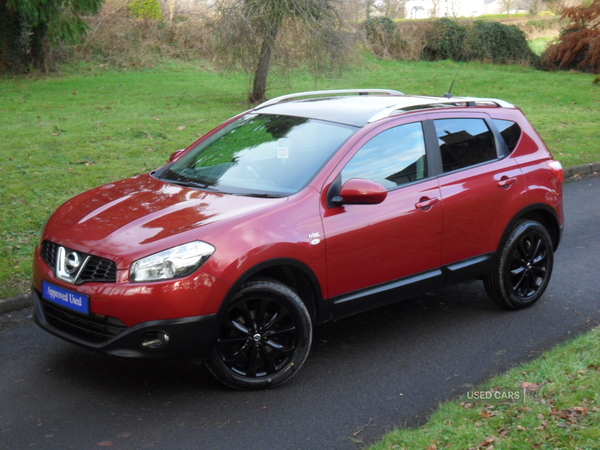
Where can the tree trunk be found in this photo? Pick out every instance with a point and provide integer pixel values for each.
(259, 86)
(172, 8)
(13, 53)
(40, 48)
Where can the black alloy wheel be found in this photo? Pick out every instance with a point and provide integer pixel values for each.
(264, 336)
(524, 269)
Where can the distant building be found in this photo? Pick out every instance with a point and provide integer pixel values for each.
(424, 9)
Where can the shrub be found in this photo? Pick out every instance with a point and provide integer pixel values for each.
(446, 40)
(118, 40)
(543, 27)
(498, 43)
(482, 41)
(146, 9)
(383, 37)
(578, 46)
(380, 26)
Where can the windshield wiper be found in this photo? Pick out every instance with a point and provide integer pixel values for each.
(206, 186)
(188, 183)
(261, 195)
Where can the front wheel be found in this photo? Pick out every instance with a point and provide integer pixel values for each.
(264, 336)
(524, 268)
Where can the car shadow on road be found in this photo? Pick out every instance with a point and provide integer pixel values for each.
(351, 341)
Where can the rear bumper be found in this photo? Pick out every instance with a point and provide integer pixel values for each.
(188, 336)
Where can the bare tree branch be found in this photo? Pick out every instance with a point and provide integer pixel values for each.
(252, 34)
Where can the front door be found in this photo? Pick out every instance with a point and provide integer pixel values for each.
(379, 245)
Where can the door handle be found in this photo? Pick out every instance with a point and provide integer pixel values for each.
(426, 203)
(505, 182)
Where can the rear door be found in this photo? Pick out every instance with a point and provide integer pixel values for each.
(481, 187)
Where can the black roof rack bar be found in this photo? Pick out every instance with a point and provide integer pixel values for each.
(331, 92)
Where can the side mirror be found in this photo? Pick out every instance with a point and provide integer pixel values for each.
(358, 191)
(176, 155)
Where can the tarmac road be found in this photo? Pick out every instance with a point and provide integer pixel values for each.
(365, 375)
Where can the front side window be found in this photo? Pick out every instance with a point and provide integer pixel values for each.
(464, 143)
(394, 157)
(260, 154)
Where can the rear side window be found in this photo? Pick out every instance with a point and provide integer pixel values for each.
(510, 131)
(464, 143)
(394, 157)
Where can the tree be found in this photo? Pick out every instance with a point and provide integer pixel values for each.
(248, 31)
(29, 29)
(390, 8)
(578, 46)
(508, 6)
(353, 10)
(172, 8)
(455, 8)
(435, 8)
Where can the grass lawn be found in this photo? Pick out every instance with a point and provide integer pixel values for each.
(64, 134)
(558, 408)
(540, 45)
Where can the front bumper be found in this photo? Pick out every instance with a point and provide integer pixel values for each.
(188, 336)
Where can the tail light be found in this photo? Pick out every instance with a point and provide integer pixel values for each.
(556, 167)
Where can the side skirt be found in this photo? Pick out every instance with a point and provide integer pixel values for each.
(404, 288)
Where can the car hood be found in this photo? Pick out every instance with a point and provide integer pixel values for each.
(143, 215)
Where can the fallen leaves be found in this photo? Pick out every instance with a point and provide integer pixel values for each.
(531, 387)
(520, 420)
(569, 416)
(487, 414)
(488, 441)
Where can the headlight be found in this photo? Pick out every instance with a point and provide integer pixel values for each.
(175, 262)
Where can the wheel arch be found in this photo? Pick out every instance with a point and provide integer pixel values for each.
(295, 275)
(541, 213)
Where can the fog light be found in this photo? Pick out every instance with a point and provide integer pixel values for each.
(155, 339)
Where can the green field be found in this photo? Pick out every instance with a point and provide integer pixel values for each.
(558, 408)
(540, 45)
(64, 134)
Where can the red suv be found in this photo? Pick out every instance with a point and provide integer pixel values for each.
(306, 209)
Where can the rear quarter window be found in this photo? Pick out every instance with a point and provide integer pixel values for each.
(510, 132)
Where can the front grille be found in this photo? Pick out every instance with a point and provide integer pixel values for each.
(93, 328)
(98, 270)
(49, 250)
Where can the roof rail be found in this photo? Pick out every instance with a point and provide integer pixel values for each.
(440, 103)
(331, 92)
(481, 101)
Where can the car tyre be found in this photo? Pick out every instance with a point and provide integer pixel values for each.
(263, 337)
(524, 268)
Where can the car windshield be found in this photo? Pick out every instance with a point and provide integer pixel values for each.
(260, 154)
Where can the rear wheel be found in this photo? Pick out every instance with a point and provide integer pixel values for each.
(524, 268)
(264, 336)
